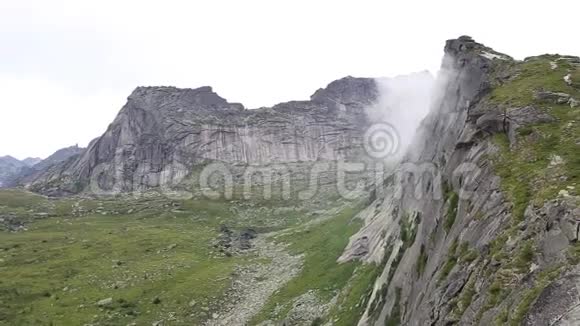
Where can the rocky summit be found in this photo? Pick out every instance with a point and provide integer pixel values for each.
(190, 210)
(167, 130)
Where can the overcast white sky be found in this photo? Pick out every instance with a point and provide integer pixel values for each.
(66, 67)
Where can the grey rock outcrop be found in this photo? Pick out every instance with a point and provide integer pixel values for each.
(162, 132)
(442, 228)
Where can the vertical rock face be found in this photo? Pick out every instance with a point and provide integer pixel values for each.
(164, 129)
(463, 233)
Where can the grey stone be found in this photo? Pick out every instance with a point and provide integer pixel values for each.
(554, 97)
(162, 132)
(105, 302)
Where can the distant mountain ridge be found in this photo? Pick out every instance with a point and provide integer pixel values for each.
(9, 166)
(14, 172)
(30, 161)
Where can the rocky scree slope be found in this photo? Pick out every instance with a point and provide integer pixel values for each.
(163, 132)
(489, 233)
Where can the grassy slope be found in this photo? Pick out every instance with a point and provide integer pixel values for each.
(59, 269)
(322, 244)
(526, 172)
(148, 249)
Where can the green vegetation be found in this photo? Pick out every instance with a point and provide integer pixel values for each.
(321, 244)
(353, 298)
(575, 78)
(502, 282)
(516, 177)
(421, 261)
(465, 298)
(409, 227)
(502, 318)
(524, 256)
(466, 254)
(408, 231)
(532, 75)
(450, 263)
(532, 294)
(574, 254)
(58, 270)
(381, 296)
(457, 254)
(526, 172)
(534, 169)
(155, 258)
(460, 303)
(451, 214)
(394, 318)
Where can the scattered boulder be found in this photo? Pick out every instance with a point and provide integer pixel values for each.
(557, 98)
(105, 302)
(231, 240)
(172, 246)
(554, 97)
(245, 238)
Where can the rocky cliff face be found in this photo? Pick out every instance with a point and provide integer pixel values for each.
(479, 225)
(165, 131)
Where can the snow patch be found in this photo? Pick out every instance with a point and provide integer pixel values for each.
(553, 65)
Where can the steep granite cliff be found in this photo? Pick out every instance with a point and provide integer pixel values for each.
(166, 131)
(479, 224)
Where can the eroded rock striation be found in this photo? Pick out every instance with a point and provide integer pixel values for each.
(473, 227)
(164, 131)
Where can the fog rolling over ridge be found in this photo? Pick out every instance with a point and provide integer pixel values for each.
(402, 101)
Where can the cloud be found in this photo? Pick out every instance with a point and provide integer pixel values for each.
(256, 52)
(39, 117)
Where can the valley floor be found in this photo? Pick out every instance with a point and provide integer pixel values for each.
(155, 261)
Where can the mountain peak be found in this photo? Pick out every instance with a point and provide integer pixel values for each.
(170, 96)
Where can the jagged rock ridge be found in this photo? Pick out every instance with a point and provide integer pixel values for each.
(492, 238)
(164, 131)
